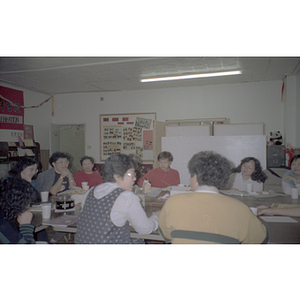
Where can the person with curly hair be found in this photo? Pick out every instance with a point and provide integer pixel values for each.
(248, 171)
(15, 221)
(206, 216)
(59, 178)
(27, 169)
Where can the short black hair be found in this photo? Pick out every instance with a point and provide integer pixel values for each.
(295, 158)
(165, 155)
(87, 157)
(15, 194)
(117, 164)
(56, 155)
(23, 163)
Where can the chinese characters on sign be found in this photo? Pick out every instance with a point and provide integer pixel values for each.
(11, 112)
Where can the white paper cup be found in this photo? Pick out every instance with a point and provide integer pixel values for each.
(86, 187)
(295, 193)
(44, 196)
(84, 184)
(249, 187)
(46, 211)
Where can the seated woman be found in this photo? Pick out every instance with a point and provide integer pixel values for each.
(205, 215)
(27, 168)
(15, 220)
(291, 179)
(248, 171)
(163, 176)
(87, 174)
(111, 206)
(59, 178)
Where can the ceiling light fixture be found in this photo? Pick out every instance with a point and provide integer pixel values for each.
(193, 76)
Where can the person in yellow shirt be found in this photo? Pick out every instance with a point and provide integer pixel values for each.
(206, 216)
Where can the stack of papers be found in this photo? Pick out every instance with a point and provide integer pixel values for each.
(278, 219)
(63, 221)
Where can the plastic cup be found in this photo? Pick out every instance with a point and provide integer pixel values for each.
(46, 211)
(295, 193)
(249, 187)
(44, 196)
(84, 184)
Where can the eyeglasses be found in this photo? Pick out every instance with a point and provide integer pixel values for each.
(62, 162)
(247, 167)
(133, 174)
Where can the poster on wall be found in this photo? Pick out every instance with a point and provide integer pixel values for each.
(11, 114)
(127, 133)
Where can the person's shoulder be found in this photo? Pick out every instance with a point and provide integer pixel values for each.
(289, 172)
(77, 173)
(45, 173)
(96, 174)
(130, 195)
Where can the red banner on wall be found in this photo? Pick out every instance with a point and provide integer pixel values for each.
(11, 116)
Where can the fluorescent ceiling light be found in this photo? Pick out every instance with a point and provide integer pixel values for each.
(193, 76)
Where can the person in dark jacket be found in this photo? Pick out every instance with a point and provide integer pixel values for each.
(15, 221)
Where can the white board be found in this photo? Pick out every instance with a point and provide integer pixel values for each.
(184, 130)
(234, 148)
(238, 129)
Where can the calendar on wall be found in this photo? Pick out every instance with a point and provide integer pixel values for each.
(127, 133)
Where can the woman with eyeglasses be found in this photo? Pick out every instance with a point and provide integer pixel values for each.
(249, 171)
(110, 207)
(27, 169)
(59, 178)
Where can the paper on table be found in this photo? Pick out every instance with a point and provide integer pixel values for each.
(63, 221)
(278, 219)
(254, 210)
(153, 193)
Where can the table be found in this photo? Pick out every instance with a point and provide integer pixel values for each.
(151, 205)
(279, 233)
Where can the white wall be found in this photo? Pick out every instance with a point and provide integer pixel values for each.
(242, 103)
(255, 102)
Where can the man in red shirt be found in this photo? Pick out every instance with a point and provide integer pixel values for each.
(163, 176)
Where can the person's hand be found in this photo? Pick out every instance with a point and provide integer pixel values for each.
(157, 213)
(65, 173)
(264, 210)
(25, 217)
(289, 177)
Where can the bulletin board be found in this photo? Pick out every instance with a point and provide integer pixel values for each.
(127, 133)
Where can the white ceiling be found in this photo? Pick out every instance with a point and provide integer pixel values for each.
(58, 75)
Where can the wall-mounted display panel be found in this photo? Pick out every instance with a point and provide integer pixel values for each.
(127, 133)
